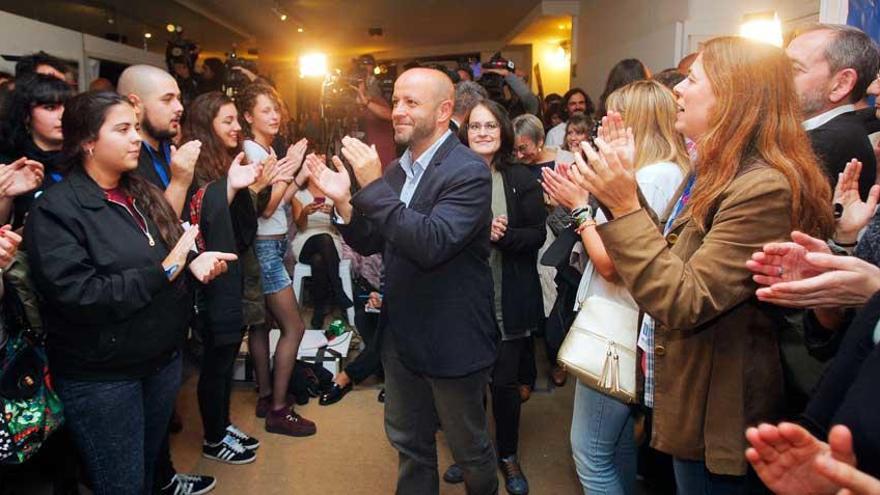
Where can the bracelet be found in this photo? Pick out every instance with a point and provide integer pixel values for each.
(171, 270)
(583, 209)
(589, 223)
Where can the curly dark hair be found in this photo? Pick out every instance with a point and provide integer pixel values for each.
(246, 100)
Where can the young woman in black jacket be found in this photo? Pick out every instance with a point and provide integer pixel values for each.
(228, 220)
(107, 253)
(517, 234)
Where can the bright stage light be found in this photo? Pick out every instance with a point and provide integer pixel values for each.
(764, 27)
(313, 65)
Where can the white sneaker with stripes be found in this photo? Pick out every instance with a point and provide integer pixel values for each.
(229, 450)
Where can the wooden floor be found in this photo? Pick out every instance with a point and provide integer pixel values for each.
(350, 453)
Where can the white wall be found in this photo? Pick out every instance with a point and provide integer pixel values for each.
(660, 32)
(21, 36)
(708, 19)
(608, 31)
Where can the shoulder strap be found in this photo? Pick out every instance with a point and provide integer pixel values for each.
(195, 214)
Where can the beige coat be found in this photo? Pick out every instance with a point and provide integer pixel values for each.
(717, 366)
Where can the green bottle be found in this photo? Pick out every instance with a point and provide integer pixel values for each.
(335, 329)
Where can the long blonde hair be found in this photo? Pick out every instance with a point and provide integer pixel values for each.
(756, 118)
(649, 108)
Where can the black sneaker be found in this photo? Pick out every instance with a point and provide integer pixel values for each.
(243, 438)
(189, 484)
(229, 450)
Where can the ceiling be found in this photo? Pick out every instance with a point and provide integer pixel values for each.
(547, 29)
(333, 26)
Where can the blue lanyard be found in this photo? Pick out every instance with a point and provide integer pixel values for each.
(680, 204)
(160, 169)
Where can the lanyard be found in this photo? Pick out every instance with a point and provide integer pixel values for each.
(680, 204)
(157, 164)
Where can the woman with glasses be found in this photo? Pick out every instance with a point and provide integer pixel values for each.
(517, 234)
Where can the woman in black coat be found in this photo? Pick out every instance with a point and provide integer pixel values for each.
(517, 234)
(106, 252)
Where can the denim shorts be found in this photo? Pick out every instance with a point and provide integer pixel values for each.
(270, 253)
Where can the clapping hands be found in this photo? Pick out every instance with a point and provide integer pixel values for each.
(499, 228)
(856, 213)
(9, 242)
(791, 461)
(804, 274)
(608, 172)
(183, 160)
(364, 160)
(19, 177)
(241, 176)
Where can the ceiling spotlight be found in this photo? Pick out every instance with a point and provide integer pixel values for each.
(279, 11)
(148, 35)
(170, 28)
(178, 28)
(300, 30)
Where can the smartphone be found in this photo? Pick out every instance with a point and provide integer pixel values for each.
(320, 200)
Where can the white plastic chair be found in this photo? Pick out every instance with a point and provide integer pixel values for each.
(302, 270)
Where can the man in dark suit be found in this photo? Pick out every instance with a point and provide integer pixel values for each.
(430, 216)
(834, 65)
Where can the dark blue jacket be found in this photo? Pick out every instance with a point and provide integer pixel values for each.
(438, 285)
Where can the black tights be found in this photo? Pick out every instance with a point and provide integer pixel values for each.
(282, 305)
(320, 253)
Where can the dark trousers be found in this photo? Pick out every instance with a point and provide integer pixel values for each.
(165, 471)
(118, 426)
(562, 315)
(692, 477)
(215, 387)
(528, 368)
(368, 362)
(320, 253)
(506, 401)
(414, 406)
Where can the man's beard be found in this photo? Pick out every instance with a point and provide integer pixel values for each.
(154, 132)
(812, 103)
(420, 130)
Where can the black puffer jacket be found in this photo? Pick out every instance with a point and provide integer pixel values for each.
(107, 307)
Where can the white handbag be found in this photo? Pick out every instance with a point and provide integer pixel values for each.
(600, 348)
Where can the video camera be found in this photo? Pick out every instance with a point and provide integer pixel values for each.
(338, 94)
(235, 80)
(181, 51)
(497, 87)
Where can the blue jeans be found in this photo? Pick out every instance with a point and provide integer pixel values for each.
(118, 426)
(692, 478)
(603, 443)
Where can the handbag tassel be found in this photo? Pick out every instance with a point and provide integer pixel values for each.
(611, 370)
